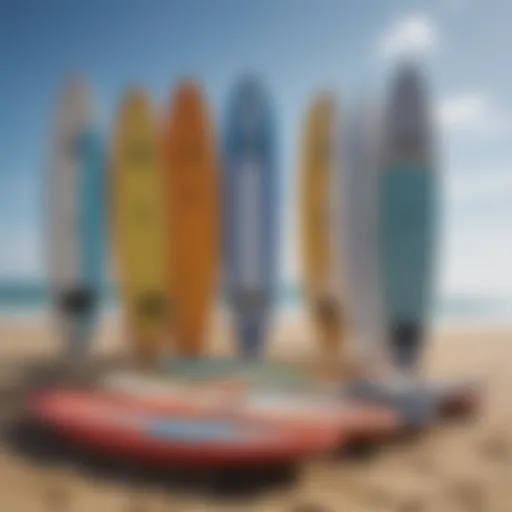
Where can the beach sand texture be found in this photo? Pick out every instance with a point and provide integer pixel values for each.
(456, 466)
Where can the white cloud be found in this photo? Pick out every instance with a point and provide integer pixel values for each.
(471, 113)
(487, 185)
(475, 262)
(414, 34)
(463, 110)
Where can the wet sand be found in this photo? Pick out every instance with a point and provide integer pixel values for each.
(456, 466)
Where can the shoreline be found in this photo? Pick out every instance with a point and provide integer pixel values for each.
(285, 314)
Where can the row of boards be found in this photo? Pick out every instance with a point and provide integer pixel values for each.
(181, 207)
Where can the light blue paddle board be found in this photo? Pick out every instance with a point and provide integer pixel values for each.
(407, 207)
(76, 219)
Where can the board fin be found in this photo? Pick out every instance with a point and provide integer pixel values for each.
(250, 300)
(140, 156)
(77, 301)
(328, 317)
(152, 305)
(406, 343)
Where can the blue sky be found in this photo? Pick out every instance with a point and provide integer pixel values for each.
(297, 46)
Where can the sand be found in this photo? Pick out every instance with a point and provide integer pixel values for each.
(456, 466)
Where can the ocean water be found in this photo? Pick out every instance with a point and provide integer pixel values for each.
(32, 298)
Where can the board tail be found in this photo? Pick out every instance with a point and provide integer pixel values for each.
(79, 308)
(406, 340)
(251, 336)
(328, 319)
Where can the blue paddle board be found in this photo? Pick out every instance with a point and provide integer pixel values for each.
(250, 188)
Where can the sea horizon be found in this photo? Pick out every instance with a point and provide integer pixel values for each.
(27, 297)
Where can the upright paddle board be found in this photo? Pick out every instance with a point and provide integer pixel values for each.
(250, 212)
(318, 239)
(360, 233)
(138, 221)
(407, 205)
(76, 219)
(192, 176)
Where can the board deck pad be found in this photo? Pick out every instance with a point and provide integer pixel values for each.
(193, 181)
(250, 191)
(318, 239)
(139, 227)
(76, 211)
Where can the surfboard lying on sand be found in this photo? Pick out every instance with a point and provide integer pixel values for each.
(250, 191)
(138, 222)
(193, 182)
(76, 219)
(112, 426)
(318, 237)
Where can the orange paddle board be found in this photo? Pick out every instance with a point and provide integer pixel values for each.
(192, 174)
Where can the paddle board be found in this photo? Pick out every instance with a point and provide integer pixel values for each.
(250, 191)
(76, 219)
(138, 221)
(359, 193)
(193, 182)
(407, 205)
(318, 239)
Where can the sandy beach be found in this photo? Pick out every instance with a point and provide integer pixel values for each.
(456, 466)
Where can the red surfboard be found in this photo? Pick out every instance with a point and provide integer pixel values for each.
(130, 430)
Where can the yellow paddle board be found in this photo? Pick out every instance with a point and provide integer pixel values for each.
(139, 224)
(317, 182)
(193, 181)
